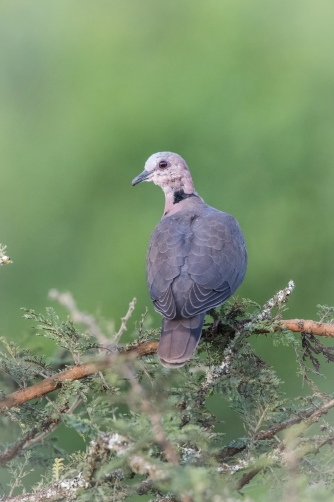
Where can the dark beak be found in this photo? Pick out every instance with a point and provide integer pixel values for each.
(141, 177)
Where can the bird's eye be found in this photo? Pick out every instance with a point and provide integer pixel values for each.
(163, 164)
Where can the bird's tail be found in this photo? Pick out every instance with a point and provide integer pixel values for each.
(179, 339)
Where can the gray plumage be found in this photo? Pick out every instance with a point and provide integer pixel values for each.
(196, 258)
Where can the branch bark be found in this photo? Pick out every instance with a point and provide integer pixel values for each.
(309, 327)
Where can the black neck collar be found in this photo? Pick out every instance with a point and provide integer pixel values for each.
(180, 195)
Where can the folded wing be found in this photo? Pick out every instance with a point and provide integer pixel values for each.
(217, 261)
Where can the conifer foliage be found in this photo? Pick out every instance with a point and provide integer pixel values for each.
(146, 432)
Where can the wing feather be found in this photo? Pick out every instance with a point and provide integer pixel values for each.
(217, 261)
(166, 255)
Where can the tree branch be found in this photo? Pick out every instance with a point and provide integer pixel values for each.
(277, 300)
(124, 320)
(76, 373)
(309, 327)
(11, 452)
(305, 421)
(140, 350)
(247, 478)
(40, 438)
(309, 417)
(35, 435)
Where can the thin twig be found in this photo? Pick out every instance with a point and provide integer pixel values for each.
(31, 437)
(277, 300)
(155, 417)
(67, 300)
(309, 417)
(264, 412)
(11, 452)
(40, 438)
(247, 478)
(124, 320)
(290, 457)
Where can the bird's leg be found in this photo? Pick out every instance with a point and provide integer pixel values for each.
(215, 325)
(212, 313)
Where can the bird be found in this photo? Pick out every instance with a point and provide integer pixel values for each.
(196, 259)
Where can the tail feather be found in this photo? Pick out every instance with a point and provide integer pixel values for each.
(179, 339)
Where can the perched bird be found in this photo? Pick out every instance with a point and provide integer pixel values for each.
(196, 259)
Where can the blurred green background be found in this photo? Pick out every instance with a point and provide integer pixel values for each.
(89, 90)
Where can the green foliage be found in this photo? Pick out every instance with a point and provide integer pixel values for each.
(18, 470)
(63, 333)
(57, 468)
(15, 359)
(325, 313)
(147, 431)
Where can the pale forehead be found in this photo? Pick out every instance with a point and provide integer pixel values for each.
(152, 161)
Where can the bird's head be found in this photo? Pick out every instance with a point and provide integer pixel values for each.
(169, 171)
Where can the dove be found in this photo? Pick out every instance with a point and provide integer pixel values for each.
(196, 259)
